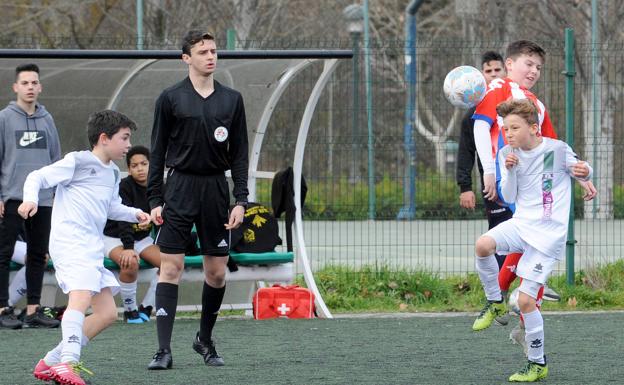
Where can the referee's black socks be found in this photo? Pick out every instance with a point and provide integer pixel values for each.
(211, 303)
(166, 304)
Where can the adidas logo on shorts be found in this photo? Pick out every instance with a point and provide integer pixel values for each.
(223, 243)
(161, 313)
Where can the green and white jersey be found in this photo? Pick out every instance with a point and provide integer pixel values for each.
(540, 187)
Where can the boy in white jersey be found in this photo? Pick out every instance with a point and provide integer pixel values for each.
(87, 194)
(535, 175)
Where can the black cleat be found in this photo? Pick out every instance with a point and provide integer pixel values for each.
(162, 360)
(8, 319)
(208, 351)
(41, 318)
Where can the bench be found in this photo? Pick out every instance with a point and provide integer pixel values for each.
(255, 267)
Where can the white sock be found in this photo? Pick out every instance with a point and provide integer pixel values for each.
(150, 294)
(534, 327)
(53, 357)
(17, 288)
(71, 326)
(487, 267)
(128, 295)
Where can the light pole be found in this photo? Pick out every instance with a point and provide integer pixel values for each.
(355, 25)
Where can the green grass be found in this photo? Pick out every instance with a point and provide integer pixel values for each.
(582, 349)
(373, 289)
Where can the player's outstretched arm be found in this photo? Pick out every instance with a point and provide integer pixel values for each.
(582, 172)
(60, 172)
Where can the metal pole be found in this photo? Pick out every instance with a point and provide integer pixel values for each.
(595, 115)
(369, 114)
(355, 130)
(231, 39)
(408, 211)
(569, 113)
(139, 26)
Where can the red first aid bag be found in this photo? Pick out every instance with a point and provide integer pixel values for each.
(283, 301)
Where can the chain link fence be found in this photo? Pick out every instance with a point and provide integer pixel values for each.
(359, 178)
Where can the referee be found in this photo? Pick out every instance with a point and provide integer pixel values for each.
(199, 132)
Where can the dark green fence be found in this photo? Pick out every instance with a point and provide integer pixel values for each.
(440, 236)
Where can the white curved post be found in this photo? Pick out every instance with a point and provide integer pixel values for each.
(132, 72)
(254, 157)
(328, 68)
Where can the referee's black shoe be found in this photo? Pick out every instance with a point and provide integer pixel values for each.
(162, 360)
(208, 351)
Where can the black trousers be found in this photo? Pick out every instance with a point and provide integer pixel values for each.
(37, 231)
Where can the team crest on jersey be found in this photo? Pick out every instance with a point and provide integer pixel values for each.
(221, 134)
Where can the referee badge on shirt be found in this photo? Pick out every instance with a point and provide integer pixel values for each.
(221, 134)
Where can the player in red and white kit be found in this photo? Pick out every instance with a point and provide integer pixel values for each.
(523, 62)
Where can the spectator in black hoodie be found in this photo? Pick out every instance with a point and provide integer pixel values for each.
(492, 67)
(126, 242)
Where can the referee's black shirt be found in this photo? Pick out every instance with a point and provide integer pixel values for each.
(188, 136)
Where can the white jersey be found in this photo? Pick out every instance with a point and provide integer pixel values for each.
(87, 194)
(540, 186)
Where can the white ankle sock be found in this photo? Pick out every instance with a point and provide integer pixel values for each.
(487, 267)
(534, 327)
(128, 295)
(150, 294)
(17, 288)
(53, 357)
(71, 326)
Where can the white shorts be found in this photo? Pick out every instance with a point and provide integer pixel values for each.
(534, 265)
(110, 243)
(76, 274)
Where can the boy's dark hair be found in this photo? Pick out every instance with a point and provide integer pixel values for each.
(137, 150)
(489, 56)
(29, 67)
(107, 122)
(524, 108)
(524, 47)
(193, 37)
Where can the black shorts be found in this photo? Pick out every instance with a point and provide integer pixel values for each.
(202, 200)
(495, 213)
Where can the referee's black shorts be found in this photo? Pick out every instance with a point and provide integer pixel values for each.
(190, 199)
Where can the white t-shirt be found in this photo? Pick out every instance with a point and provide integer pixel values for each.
(540, 186)
(87, 194)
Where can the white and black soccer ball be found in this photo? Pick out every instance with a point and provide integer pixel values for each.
(513, 301)
(464, 87)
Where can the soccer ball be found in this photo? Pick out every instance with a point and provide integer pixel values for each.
(513, 301)
(464, 87)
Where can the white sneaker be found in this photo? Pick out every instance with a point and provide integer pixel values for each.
(550, 294)
(517, 335)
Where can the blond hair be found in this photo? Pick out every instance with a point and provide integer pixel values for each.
(521, 107)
